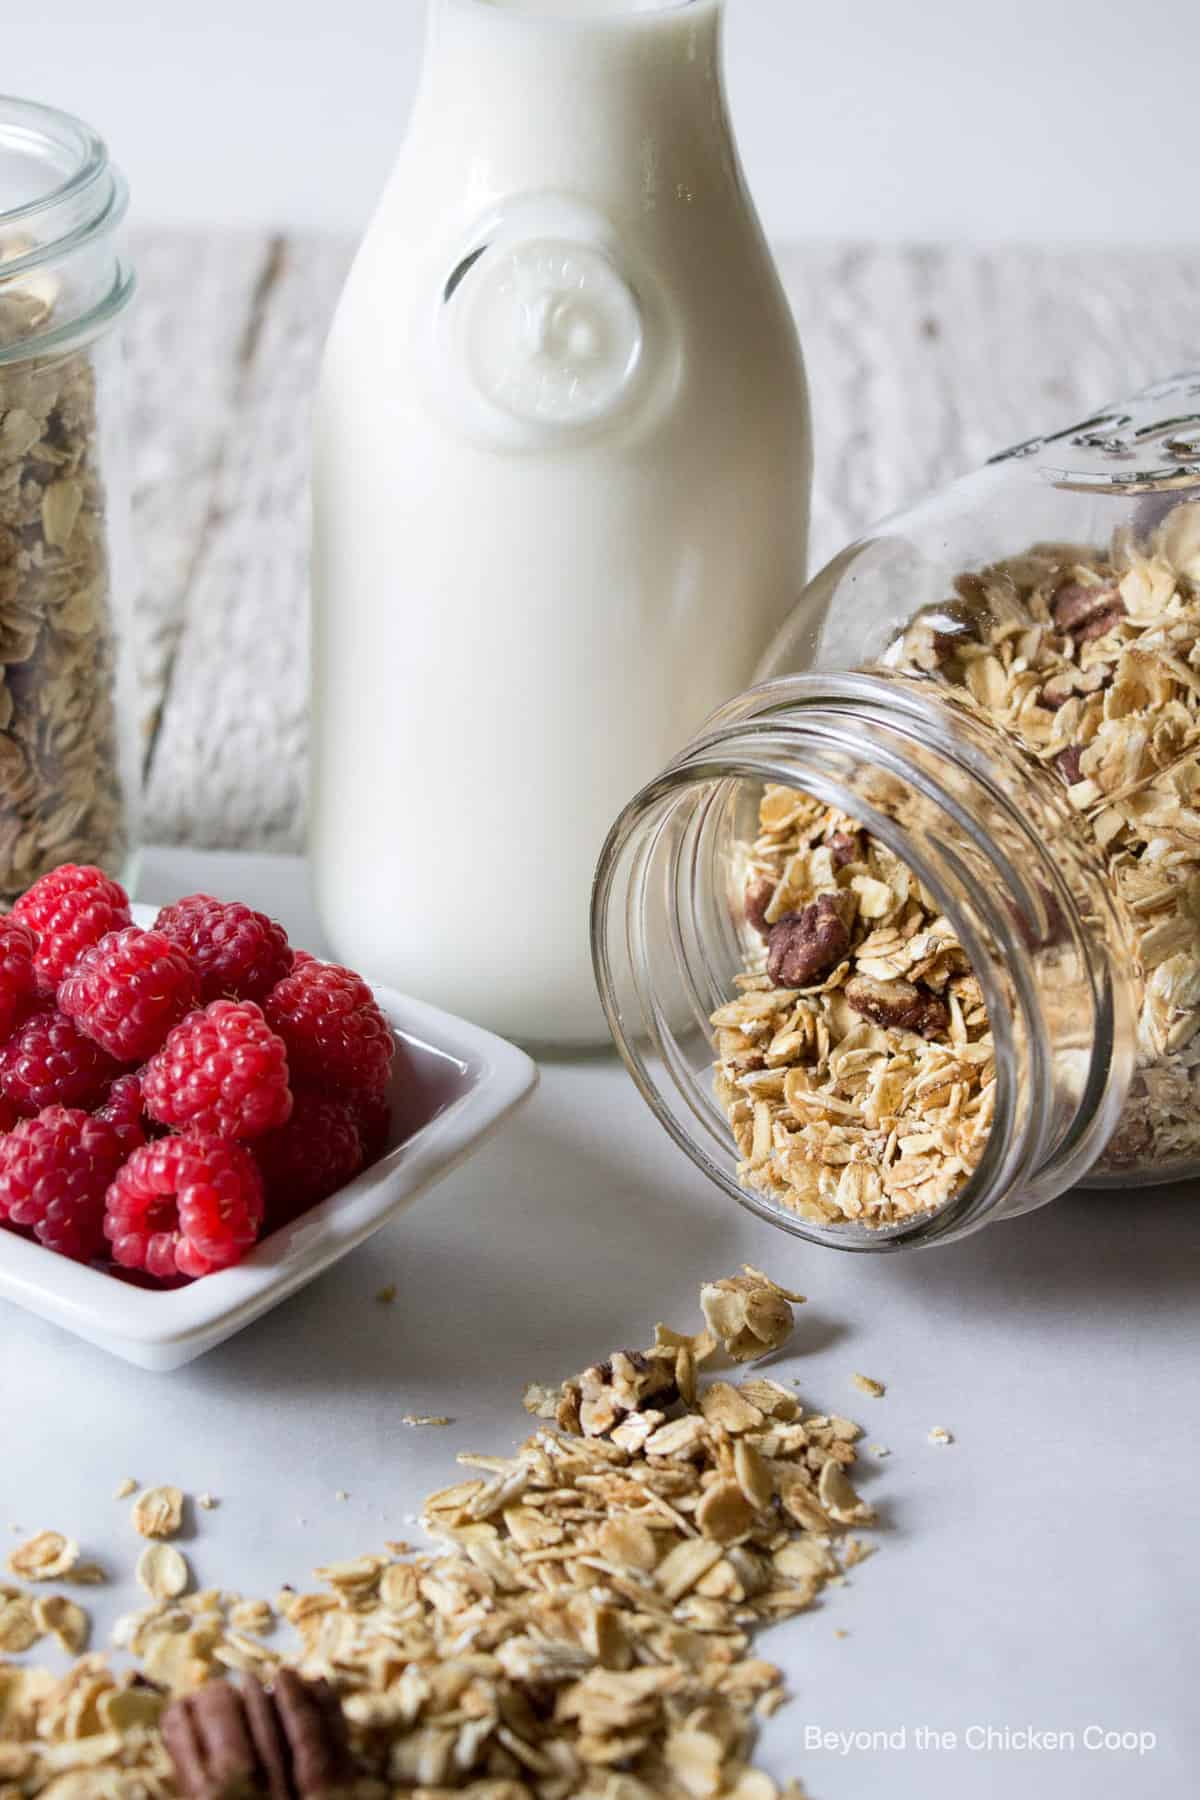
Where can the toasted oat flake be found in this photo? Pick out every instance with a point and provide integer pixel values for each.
(19, 1628)
(163, 1571)
(749, 1314)
(124, 1488)
(541, 1400)
(253, 1616)
(63, 1619)
(207, 1502)
(866, 1384)
(47, 1556)
(158, 1512)
(939, 1435)
(426, 1419)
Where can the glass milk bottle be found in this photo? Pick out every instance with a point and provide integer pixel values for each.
(561, 433)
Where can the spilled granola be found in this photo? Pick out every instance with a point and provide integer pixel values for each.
(856, 1064)
(586, 1629)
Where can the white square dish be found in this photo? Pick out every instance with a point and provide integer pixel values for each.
(454, 1084)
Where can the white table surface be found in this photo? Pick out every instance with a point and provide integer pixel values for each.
(1039, 1572)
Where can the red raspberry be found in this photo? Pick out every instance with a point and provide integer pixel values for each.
(184, 1206)
(68, 909)
(235, 952)
(222, 1071)
(18, 981)
(373, 1116)
(8, 1114)
(128, 990)
(334, 1032)
(123, 1110)
(54, 1171)
(309, 1158)
(49, 1062)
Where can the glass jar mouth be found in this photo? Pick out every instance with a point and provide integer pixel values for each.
(1022, 1145)
(28, 127)
(73, 199)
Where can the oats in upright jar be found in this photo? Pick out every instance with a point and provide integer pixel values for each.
(61, 797)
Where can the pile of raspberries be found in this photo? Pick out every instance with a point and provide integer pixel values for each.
(169, 1097)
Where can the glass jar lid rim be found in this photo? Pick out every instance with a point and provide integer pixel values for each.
(63, 130)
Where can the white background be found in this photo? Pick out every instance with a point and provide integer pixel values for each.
(1055, 121)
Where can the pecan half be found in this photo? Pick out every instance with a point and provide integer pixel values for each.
(845, 849)
(804, 946)
(1087, 612)
(1068, 764)
(284, 1743)
(899, 1005)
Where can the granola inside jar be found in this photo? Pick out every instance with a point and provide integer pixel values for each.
(68, 729)
(911, 939)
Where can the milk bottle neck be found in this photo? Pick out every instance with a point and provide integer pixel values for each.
(623, 97)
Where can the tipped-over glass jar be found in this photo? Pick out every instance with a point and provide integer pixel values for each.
(908, 937)
(69, 741)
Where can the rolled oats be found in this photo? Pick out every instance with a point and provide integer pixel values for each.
(866, 1095)
(19, 1628)
(583, 1632)
(866, 1384)
(63, 1619)
(856, 1063)
(163, 1571)
(158, 1513)
(1090, 660)
(61, 796)
(46, 1556)
(88, 1574)
(749, 1314)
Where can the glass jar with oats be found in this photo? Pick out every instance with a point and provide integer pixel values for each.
(69, 757)
(908, 938)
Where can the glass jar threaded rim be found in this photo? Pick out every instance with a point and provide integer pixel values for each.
(62, 204)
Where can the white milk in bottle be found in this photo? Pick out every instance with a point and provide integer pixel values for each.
(561, 492)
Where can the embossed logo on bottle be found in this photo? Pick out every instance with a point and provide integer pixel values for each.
(545, 335)
(552, 333)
